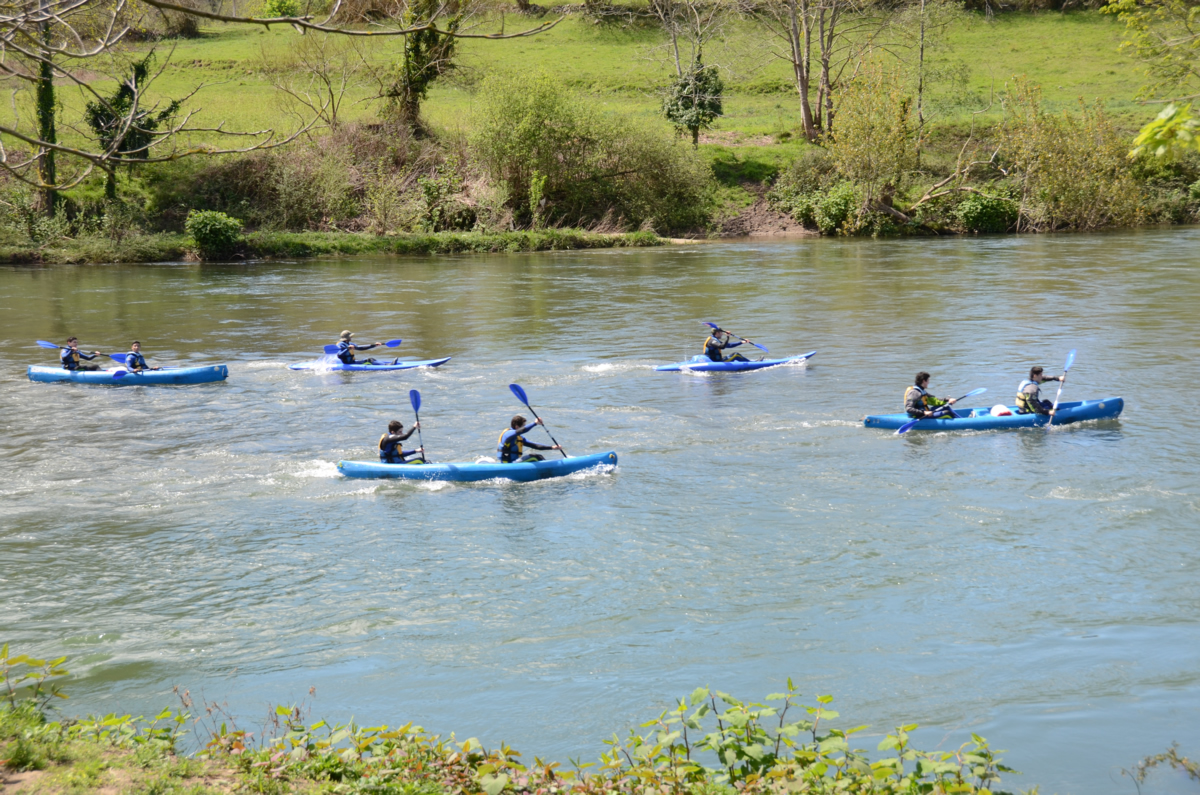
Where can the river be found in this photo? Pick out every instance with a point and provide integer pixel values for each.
(1037, 587)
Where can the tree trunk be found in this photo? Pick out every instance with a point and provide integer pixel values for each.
(695, 137)
(47, 175)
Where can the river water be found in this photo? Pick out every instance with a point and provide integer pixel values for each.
(1038, 588)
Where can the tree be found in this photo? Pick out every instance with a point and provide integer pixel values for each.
(55, 40)
(122, 126)
(426, 56)
(693, 102)
(1165, 36)
(824, 41)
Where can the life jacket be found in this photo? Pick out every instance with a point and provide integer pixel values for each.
(137, 360)
(713, 348)
(1027, 403)
(390, 452)
(924, 395)
(510, 449)
(345, 352)
(70, 359)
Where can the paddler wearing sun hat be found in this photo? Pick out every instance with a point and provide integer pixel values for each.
(346, 349)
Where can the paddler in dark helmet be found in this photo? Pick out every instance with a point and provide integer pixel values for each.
(390, 451)
(511, 448)
(1029, 393)
(346, 349)
(70, 356)
(135, 361)
(717, 342)
(918, 402)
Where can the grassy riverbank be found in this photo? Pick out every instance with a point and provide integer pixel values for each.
(167, 247)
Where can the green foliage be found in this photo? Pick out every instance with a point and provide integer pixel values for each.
(980, 213)
(874, 145)
(119, 122)
(1165, 36)
(215, 233)
(1172, 132)
(1072, 170)
(280, 8)
(26, 678)
(693, 102)
(427, 55)
(594, 165)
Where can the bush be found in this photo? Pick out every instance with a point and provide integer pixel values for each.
(215, 233)
(833, 208)
(594, 165)
(978, 213)
(280, 8)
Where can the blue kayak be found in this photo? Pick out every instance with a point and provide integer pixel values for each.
(702, 364)
(167, 376)
(332, 364)
(982, 419)
(493, 470)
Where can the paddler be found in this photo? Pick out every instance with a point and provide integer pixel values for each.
(1029, 393)
(390, 451)
(135, 361)
(70, 356)
(346, 349)
(511, 448)
(918, 402)
(717, 342)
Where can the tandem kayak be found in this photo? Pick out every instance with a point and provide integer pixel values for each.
(702, 364)
(167, 376)
(982, 419)
(493, 470)
(331, 364)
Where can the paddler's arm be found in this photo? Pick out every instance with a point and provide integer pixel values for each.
(537, 446)
(357, 347)
(90, 356)
(401, 437)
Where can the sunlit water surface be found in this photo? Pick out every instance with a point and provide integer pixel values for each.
(1039, 588)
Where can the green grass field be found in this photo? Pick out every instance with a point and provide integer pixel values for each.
(1072, 55)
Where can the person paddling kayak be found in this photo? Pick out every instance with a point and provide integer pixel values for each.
(135, 361)
(511, 448)
(70, 356)
(390, 450)
(717, 342)
(346, 349)
(1029, 392)
(918, 402)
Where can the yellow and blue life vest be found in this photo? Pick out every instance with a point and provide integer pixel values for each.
(390, 452)
(510, 449)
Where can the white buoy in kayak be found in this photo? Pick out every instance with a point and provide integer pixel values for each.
(1001, 410)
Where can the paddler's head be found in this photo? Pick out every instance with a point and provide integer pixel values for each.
(72, 342)
(135, 346)
(395, 426)
(346, 335)
(1035, 375)
(922, 379)
(517, 422)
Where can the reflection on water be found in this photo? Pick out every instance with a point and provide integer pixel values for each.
(1036, 586)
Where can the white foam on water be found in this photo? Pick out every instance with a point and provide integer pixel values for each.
(318, 469)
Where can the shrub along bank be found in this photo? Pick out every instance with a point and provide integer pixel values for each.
(710, 743)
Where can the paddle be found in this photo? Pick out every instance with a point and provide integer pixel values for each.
(520, 393)
(52, 346)
(1067, 366)
(389, 343)
(908, 426)
(414, 397)
(730, 333)
(119, 374)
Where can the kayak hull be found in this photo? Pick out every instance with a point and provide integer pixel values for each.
(702, 364)
(325, 365)
(171, 376)
(981, 419)
(466, 473)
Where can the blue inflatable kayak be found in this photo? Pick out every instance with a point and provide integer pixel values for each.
(982, 419)
(703, 364)
(168, 375)
(331, 364)
(493, 470)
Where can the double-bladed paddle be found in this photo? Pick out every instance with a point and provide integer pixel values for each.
(389, 344)
(520, 393)
(414, 397)
(117, 374)
(1067, 366)
(908, 426)
(715, 327)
